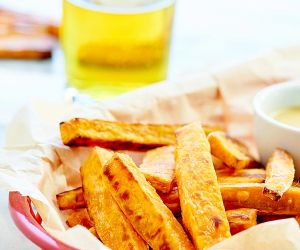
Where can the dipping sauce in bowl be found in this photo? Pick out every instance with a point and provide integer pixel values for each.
(289, 116)
(277, 121)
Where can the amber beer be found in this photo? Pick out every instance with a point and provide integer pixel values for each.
(111, 49)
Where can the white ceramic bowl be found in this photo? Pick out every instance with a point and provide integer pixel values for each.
(271, 134)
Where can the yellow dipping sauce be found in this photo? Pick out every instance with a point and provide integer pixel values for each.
(289, 116)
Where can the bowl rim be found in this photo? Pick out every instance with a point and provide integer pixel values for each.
(30, 224)
(262, 94)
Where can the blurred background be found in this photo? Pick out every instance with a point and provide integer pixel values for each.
(207, 35)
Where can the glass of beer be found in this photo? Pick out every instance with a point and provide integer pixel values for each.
(113, 46)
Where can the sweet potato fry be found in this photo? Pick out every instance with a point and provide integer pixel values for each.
(250, 195)
(93, 231)
(179, 219)
(210, 128)
(71, 199)
(174, 208)
(171, 200)
(256, 175)
(241, 219)
(116, 135)
(111, 225)
(280, 174)
(242, 179)
(158, 168)
(296, 183)
(297, 218)
(171, 197)
(80, 217)
(201, 203)
(142, 205)
(266, 217)
(248, 172)
(233, 153)
(218, 164)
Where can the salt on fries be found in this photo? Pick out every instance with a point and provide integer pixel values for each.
(186, 169)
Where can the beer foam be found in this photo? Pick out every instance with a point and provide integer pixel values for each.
(126, 3)
(123, 6)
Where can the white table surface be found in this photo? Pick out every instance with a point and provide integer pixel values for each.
(207, 34)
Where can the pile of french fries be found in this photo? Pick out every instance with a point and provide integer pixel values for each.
(195, 187)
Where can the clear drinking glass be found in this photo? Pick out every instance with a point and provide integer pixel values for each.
(116, 46)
